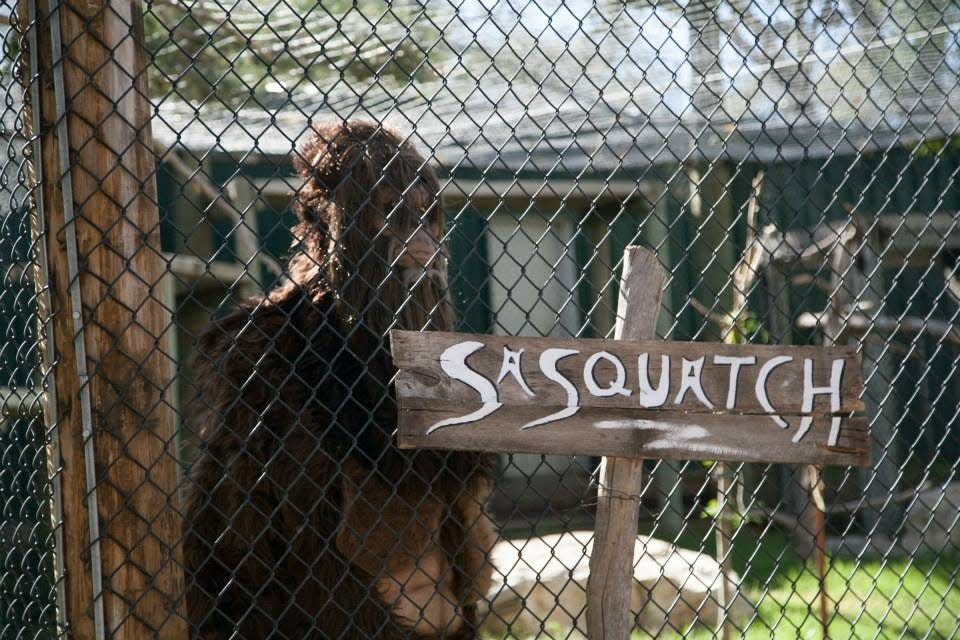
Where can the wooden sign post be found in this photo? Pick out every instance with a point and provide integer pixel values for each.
(621, 479)
(119, 570)
(627, 400)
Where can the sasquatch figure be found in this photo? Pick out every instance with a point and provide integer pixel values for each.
(304, 520)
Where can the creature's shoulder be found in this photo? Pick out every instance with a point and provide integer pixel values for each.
(267, 333)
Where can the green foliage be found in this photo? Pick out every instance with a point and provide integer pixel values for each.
(746, 329)
(749, 329)
(711, 510)
(242, 54)
(930, 148)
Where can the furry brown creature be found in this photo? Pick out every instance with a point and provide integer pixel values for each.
(304, 520)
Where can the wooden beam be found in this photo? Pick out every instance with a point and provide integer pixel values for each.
(192, 274)
(858, 323)
(121, 530)
(247, 246)
(791, 478)
(711, 253)
(609, 586)
(803, 246)
(880, 372)
(467, 189)
(913, 238)
(666, 481)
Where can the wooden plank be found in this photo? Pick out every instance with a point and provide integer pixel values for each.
(609, 586)
(913, 238)
(417, 355)
(857, 323)
(122, 575)
(795, 488)
(192, 275)
(726, 479)
(808, 247)
(610, 582)
(636, 433)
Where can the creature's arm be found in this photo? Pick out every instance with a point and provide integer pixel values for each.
(478, 535)
(385, 528)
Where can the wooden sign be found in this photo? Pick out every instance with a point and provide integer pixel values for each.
(645, 399)
(626, 400)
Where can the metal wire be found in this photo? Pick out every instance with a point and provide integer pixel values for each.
(793, 164)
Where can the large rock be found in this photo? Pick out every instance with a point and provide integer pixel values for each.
(542, 587)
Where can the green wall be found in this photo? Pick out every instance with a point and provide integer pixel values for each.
(797, 195)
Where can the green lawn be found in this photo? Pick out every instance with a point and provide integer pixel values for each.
(870, 598)
(899, 598)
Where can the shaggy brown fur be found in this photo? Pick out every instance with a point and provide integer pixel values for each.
(304, 519)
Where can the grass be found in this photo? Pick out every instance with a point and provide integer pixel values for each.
(871, 598)
(901, 597)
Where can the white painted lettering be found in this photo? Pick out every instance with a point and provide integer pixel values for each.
(650, 397)
(761, 387)
(834, 431)
(692, 370)
(809, 391)
(734, 362)
(548, 365)
(453, 362)
(511, 366)
(617, 386)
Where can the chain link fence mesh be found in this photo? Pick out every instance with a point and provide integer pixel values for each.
(792, 163)
(28, 583)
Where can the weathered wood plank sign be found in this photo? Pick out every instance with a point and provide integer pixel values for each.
(644, 399)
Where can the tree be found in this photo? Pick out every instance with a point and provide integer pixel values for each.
(240, 53)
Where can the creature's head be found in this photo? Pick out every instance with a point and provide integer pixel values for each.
(370, 228)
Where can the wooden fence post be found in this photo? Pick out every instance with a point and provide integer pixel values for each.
(618, 496)
(123, 576)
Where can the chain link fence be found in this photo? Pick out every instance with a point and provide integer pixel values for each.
(214, 212)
